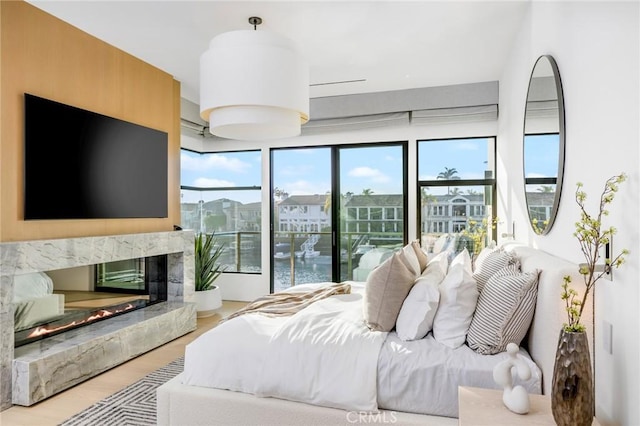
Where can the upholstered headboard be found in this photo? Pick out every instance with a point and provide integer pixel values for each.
(550, 311)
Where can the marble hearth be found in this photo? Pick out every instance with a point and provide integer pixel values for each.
(38, 370)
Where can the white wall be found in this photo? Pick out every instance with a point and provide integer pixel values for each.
(80, 278)
(597, 48)
(248, 287)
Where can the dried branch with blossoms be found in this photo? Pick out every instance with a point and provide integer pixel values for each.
(592, 238)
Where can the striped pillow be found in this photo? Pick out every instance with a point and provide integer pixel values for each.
(494, 262)
(504, 312)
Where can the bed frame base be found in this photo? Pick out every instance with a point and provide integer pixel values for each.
(179, 404)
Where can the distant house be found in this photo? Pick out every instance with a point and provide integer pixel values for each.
(373, 213)
(540, 204)
(450, 213)
(303, 213)
(249, 216)
(221, 215)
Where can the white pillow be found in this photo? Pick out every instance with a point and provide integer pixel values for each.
(442, 261)
(418, 310)
(458, 298)
(440, 243)
(463, 258)
(32, 285)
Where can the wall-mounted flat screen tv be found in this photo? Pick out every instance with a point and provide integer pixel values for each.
(80, 164)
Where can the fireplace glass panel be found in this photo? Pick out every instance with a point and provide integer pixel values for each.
(78, 296)
(127, 276)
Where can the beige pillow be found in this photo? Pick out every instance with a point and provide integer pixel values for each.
(386, 288)
(412, 259)
(422, 256)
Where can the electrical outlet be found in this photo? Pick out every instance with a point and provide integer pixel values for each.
(608, 249)
(607, 337)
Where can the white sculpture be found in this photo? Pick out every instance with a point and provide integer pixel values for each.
(515, 398)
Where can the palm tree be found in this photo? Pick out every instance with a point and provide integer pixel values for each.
(546, 188)
(367, 191)
(327, 202)
(425, 200)
(448, 174)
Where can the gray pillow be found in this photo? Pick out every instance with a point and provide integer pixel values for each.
(494, 262)
(504, 311)
(386, 288)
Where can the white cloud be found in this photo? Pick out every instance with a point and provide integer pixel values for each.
(296, 170)
(374, 175)
(466, 146)
(305, 187)
(213, 162)
(209, 183)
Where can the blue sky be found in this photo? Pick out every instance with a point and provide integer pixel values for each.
(379, 168)
(541, 152)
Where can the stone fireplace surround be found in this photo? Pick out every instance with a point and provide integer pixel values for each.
(40, 369)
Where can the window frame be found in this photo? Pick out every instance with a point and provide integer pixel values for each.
(491, 182)
(229, 188)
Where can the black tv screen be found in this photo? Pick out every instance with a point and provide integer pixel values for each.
(82, 165)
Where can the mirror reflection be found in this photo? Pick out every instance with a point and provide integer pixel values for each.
(543, 150)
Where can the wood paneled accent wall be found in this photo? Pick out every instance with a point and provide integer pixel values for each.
(47, 57)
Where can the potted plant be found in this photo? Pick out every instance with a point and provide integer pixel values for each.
(572, 397)
(207, 270)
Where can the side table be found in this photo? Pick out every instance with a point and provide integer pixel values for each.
(484, 407)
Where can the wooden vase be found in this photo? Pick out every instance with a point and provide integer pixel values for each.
(572, 395)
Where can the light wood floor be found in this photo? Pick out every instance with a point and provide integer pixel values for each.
(60, 407)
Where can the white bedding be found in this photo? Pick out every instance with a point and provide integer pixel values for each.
(31, 286)
(324, 355)
(420, 376)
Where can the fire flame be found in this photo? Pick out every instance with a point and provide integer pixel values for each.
(43, 330)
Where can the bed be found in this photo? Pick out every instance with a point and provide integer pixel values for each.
(383, 379)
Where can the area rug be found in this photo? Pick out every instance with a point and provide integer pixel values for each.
(134, 405)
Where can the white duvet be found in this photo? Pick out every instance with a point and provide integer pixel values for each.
(325, 355)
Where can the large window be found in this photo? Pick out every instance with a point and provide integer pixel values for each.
(338, 211)
(456, 179)
(220, 194)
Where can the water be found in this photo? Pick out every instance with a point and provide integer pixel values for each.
(312, 270)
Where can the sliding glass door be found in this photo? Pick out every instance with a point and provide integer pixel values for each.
(372, 188)
(301, 216)
(362, 185)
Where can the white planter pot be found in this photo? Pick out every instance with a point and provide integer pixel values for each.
(208, 301)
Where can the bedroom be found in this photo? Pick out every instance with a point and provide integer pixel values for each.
(596, 46)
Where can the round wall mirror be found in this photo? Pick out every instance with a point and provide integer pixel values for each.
(543, 144)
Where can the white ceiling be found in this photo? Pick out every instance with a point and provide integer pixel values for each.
(392, 44)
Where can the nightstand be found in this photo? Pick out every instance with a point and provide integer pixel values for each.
(480, 407)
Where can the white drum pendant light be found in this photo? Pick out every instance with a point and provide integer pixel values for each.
(253, 85)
